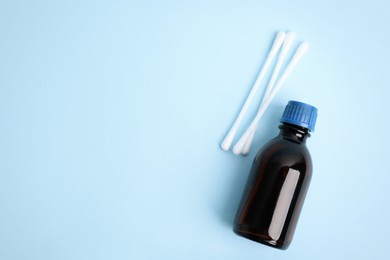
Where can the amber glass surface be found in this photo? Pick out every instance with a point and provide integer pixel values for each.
(276, 188)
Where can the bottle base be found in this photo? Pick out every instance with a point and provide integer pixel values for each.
(260, 238)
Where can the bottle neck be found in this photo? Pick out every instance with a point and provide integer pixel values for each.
(293, 133)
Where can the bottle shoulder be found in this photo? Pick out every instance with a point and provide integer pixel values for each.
(279, 142)
(285, 151)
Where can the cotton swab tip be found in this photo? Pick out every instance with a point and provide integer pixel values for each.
(280, 36)
(279, 39)
(302, 49)
(248, 144)
(239, 146)
(290, 36)
(226, 143)
(237, 149)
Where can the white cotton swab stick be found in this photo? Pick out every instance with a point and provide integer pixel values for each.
(301, 50)
(227, 142)
(238, 148)
(290, 36)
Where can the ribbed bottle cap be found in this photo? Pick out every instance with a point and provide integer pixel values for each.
(300, 114)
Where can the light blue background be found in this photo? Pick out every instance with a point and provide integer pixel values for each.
(112, 113)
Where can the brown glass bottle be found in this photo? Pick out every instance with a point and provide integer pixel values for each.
(276, 188)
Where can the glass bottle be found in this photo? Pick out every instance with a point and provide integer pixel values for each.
(278, 181)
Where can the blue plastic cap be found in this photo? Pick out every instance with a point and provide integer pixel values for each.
(300, 114)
